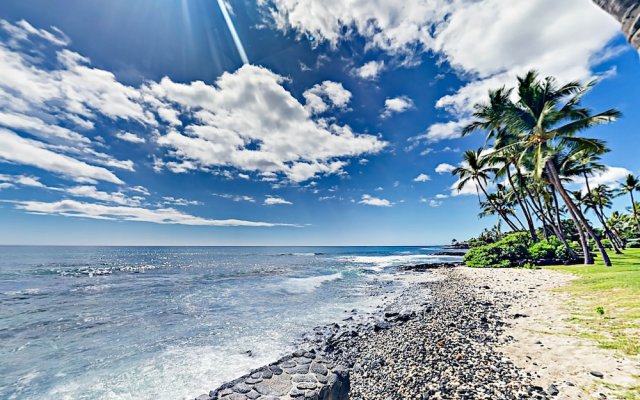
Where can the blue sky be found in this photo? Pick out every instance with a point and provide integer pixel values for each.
(137, 123)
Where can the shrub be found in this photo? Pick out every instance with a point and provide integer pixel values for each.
(544, 249)
(551, 249)
(507, 252)
(607, 244)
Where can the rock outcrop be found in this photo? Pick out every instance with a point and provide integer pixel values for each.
(628, 13)
(302, 375)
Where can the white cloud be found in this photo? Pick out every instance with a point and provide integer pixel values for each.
(379, 189)
(442, 131)
(611, 176)
(247, 120)
(236, 198)
(273, 200)
(374, 201)
(5, 185)
(16, 149)
(333, 92)
(22, 29)
(92, 192)
(130, 137)
(435, 203)
(370, 70)
(422, 178)
(72, 208)
(397, 105)
(445, 168)
(488, 42)
(178, 201)
(441, 196)
(30, 181)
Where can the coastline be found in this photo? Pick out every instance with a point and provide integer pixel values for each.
(453, 332)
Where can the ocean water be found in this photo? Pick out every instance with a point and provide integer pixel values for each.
(170, 322)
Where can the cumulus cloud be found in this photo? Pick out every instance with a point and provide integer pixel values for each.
(435, 203)
(72, 208)
(274, 200)
(445, 168)
(442, 131)
(611, 176)
(325, 95)
(248, 121)
(130, 137)
(422, 178)
(370, 70)
(397, 105)
(374, 201)
(488, 42)
(441, 196)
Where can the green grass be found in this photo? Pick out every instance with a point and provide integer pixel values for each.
(607, 301)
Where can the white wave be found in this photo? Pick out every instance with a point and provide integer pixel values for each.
(379, 263)
(308, 285)
(179, 372)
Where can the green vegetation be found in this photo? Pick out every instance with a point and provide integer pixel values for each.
(517, 250)
(533, 154)
(607, 301)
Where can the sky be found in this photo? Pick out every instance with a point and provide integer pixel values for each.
(275, 122)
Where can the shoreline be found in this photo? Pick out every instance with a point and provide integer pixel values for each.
(452, 332)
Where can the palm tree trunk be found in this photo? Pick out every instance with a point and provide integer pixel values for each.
(498, 210)
(527, 216)
(600, 216)
(635, 210)
(548, 222)
(583, 240)
(555, 179)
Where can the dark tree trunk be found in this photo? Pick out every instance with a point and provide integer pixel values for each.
(555, 179)
(628, 13)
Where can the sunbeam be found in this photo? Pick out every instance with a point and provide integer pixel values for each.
(234, 34)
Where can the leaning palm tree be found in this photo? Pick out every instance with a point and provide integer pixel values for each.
(475, 169)
(544, 118)
(630, 185)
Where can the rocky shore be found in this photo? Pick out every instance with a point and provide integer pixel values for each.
(443, 337)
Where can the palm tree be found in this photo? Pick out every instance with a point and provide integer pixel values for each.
(630, 185)
(545, 118)
(476, 169)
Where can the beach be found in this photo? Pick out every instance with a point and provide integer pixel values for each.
(457, 332)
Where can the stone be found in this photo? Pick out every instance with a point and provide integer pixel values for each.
(319, 369)
(241, 387)
(279, 385)
(306, 385)
(597, 374)
(276, 369)
(380, 325)
(553, 390)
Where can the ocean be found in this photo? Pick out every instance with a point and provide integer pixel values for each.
(172, 322)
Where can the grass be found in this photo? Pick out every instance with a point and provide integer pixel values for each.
(607, 301)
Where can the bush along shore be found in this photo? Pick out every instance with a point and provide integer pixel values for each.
(438, 339)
